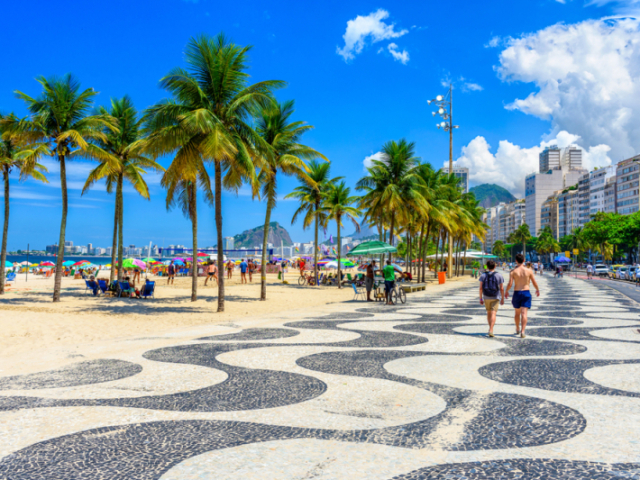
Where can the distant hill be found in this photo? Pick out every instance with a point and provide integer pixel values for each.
(489, 194)
(253, 237)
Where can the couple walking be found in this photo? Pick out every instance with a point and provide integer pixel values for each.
(493, 293)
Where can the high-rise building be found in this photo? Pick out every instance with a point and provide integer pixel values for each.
(584, 198)
(52, 248)
(109, 250)
(68, 243)
(599, 180)
(550, 159)
(571, 158)
(228, 243)
(462, 173)
(627, 186)
(89, 248)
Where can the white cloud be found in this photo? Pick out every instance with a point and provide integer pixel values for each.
(402, 57)
(361, 29)
(473, 87)
(510, 163)
(493, 43)
(587, 77)
(621, 7)
(368, 161)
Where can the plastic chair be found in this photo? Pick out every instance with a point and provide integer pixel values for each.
(358, 291)
(11, 277)
(123, 287)
(103, 286)
(92, 287)
(148, 290)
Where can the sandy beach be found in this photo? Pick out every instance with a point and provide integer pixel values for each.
(37, 333)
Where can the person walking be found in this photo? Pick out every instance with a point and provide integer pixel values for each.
(389, 274)
(212, 273)
(171, 271)
(230, 267)
(520, 278)
(252, 267)
(535, 268)
(369, 279)
(491, 293)
(589, 271)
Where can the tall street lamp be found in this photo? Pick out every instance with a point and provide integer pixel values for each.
(445, 110)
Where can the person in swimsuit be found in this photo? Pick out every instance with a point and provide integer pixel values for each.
(171, 272)
(520, 277)
(212, 273)
(250, 270)
(230, 266)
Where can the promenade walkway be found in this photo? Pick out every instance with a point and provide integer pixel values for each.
(358, 391)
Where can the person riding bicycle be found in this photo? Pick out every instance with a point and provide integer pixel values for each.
(389, 274)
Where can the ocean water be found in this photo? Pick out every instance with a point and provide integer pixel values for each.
(52, 259)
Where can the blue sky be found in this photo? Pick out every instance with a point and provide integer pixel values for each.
(525, 74)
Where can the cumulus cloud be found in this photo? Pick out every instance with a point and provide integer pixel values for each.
(370, 28)
(368, 161)
(401, 56)
(510, 163)
(587, 79)
(493, 43)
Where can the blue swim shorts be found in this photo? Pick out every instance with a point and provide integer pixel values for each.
(521, 299)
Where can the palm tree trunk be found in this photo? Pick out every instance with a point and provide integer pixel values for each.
(420, 273)
(114, 246)
(5, 229)
(339, 252)
(315, 244)
(63, 227)
(393, 217)
(193, 206)
(426, 250)
(120, 226)
(464, 261)
(524, 250)
(265, 237)
(218, 208)
(408, 262)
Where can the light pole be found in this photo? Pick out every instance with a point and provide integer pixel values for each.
(445, 110)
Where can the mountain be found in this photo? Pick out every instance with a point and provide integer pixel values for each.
(489, 194)
(254, 237)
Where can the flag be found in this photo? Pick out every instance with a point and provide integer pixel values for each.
(297, 250)
(347, 247)
(333, 250)
(331, 238)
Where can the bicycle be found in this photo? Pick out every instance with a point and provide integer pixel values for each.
(306, 280)
(396, 293)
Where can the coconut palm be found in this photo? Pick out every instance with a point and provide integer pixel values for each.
(393, 184)
(310, 194)
(181, 180)
(209, 115)
(132, 165)
(16, 156)
(60, 117)
(286, 156)
(499, 249)
(338, 207)
(521, 235)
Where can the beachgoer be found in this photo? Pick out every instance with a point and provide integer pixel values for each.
(243, 271)
(541, 268)
(250, 269)
(521, 301)
(94, 285)
(136, 274)
(589, 271)
(535, 268)
(230, 267)
(389, 274)
(558, 271)
(301, 265)
(491, 293)
(369, 279)
(171, 273)
(212, 273)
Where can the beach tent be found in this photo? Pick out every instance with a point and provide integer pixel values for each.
(372, 248)
(561, 260)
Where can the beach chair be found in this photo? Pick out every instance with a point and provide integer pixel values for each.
(91, 286)
(11, 277)
(148, 290)
(358, 291)
(123, 287)
(104, 287)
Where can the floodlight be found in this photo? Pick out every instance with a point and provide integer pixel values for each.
(439, 98)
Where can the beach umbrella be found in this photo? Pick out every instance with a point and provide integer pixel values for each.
(398, 267)
(44, 264)
(8, 264)
(80, 263)
(200, 254)
(68, 263)
(179, 263)
(179, 259)
(562, 260)
(133, 263)
(149, 260)
(375, 247)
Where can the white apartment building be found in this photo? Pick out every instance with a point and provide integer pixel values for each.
(502, 220)
(627, 172)
(599, 179)
(228, 243)
(462, 173)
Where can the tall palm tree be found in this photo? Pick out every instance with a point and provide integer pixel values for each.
(181, 181)
(286, 156)
(15, 155)
(310, 193)
(60, 117)
(338, 206)
(209, 115)
(499, 250)
(132, 165)
(522, 235)
(393, 183)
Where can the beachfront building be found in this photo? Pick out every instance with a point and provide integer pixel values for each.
(559, 169)
(627, 198)
(561, 212)
(51, 248)
(584, 199)
(462, 173)
(502, 220)
(601, 182)
(228, 243)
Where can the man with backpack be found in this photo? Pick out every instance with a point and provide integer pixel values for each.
(491, 293)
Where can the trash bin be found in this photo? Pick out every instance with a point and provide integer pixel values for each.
(442, 277)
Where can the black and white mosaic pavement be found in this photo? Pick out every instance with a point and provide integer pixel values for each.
(414, 391)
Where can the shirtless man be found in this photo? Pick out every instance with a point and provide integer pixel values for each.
(521, 301)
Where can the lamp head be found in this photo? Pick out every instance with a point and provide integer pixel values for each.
(433, 113)
(439, 98)
(441, 110)
(429, 102)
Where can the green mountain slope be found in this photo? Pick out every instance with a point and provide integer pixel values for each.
(490, 195)
(252, 238)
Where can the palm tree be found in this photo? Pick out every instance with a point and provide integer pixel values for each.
(286, 156)
(124, 145)
(522, 235)
(15, 155)
(338, 206)
(310, 194)
(209, 117)
(60, 118)
(181, 181)
(499, 249)
(393, 183)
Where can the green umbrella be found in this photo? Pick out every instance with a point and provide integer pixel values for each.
(375, 247)
(148, 260)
